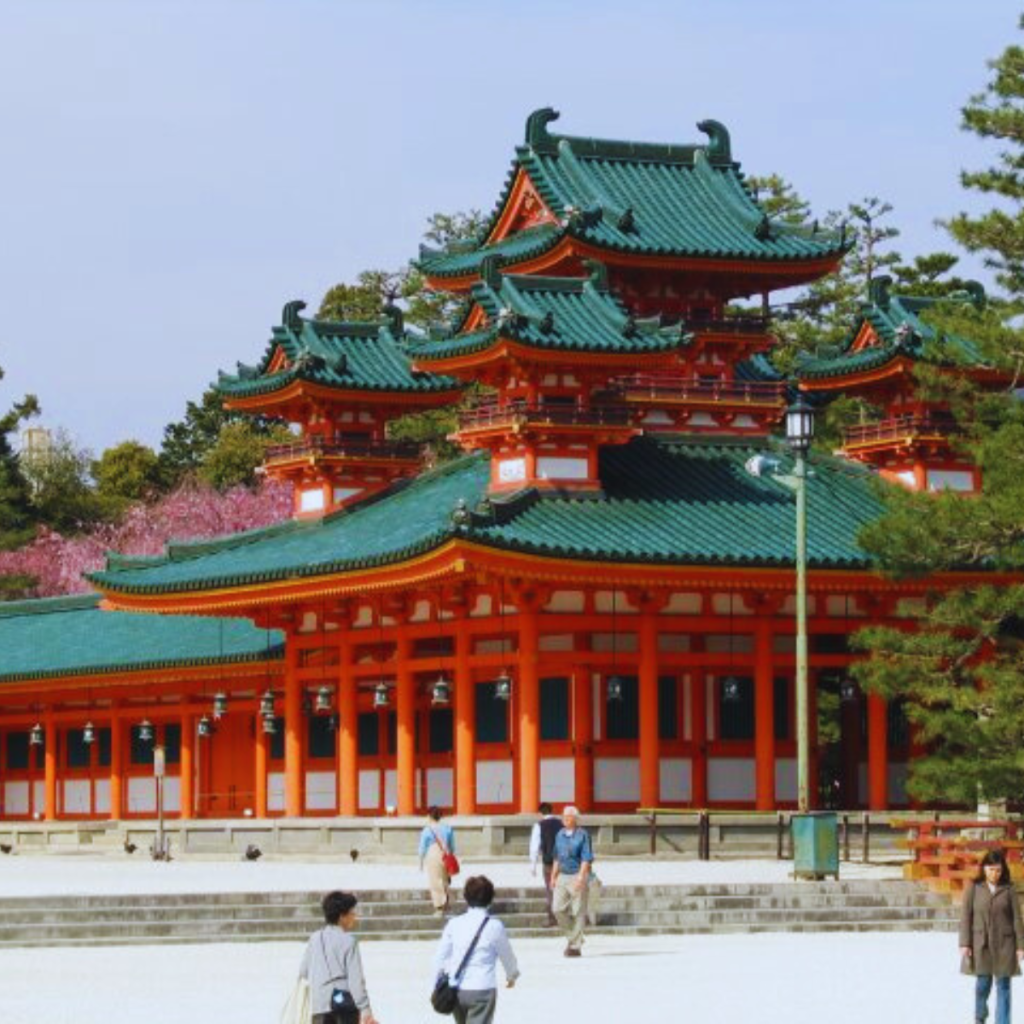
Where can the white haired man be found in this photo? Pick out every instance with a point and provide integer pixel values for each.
(574, 857)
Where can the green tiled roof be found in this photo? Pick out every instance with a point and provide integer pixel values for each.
(567, 314)
(350, 356)
(665, 502)
(901, 331)
(643, 198)
(72, 636)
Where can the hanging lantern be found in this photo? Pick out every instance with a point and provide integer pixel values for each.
(205, 727)
(146, 731)
(323, 699)
(800, 425)
(269, 724)
(731, 689)
(35, 736)
(848, 691)
(88, 734)
(381, 695)
(441, 692)
(503, 686)
(220, 704)
(614, 688)
(267, 703)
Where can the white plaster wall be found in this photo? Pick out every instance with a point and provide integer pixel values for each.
(616, 779)
(101, 797)
(557, 779)
(142, 795)
(441, 787)
(311, 501)
(369, 789)
(172, 794)
(275, 791)
(510, 470)
(673, 642)
(77, 796)
(566, 601)
(15, 798)
(320, 791)
(38, 796)
(553, 468)
(683, 604)
(731, 778)
(785, 778)
(675, 782)
(556, 642)
(390, 788)
(494, 782)
(950, 480)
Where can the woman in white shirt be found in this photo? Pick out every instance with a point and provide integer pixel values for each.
(478, 982)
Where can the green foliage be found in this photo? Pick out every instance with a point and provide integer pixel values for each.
(237, 453)
(128, 472)
(363, 300)
(61, 488)
(779, 199)
(16, 512)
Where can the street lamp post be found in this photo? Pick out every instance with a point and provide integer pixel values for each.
(799, 431)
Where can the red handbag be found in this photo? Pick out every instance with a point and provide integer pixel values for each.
(448, 859)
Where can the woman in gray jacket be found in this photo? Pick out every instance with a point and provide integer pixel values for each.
(991, 935)
(331, 964)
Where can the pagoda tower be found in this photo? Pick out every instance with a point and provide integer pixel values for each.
(913, 439)
(339, 384)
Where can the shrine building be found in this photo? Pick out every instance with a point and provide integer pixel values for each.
(593, 603)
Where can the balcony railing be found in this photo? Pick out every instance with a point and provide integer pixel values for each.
(340, 447)
(483, 417)
(640, 386)
(900, 428)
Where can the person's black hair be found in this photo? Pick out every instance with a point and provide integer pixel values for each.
(434, 813)
(995, 856)
(545, 808)
(478, 891)
(336, 905)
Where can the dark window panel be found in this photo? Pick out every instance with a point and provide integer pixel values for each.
(369, 734)
(172, 743)
(441, 731)
(622, 717)
(781, 708)
(491, 715)
(668, 708)
(17, 749)
(320, 736)
(554, 709)
(736, 717)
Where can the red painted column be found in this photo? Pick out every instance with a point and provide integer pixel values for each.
(465, 726)
(262, 765)
(528, 746)
(699, 721)
(50, 770)
(650, 761)
(764, 715)
(348, 730)
(188, 766)
(293, 772)
(116, 767)
(583, 735)
(406, 715)
(878, 753)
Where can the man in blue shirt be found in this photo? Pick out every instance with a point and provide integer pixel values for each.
(569, 878)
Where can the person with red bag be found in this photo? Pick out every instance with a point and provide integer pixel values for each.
(437, 855)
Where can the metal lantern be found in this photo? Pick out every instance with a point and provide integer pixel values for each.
(731, 689)
(848, 691)
(35, 736)
(267, 703)
(146, 731)
(800, 425)
(323, 699)
(441, 692)
(381, 695)
(614, 688)
(220, 704)
(269, 724)
(88, 734)
(503, 686)
(205, 727)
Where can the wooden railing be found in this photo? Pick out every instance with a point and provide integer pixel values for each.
(899, 428)
(355, 448)
(482, 417)
(696, 389)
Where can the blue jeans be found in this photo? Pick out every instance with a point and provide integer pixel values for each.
(982, 988)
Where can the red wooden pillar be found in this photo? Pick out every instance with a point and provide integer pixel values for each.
(878, 753)
(650, 761)
(188, 766)
(348, 729)
(262, 758)
(116, 767)
(699, 718)
(406, 714)
(764, 714)
(465, 716)
(583, 735)
(528, 745)
(293, 773)
(50, 770)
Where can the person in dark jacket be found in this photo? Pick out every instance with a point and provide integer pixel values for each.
(991, 935)
(542, 849)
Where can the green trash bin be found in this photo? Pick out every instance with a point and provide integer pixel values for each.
(815, 845)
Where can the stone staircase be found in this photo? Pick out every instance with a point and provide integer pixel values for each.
(402, 915)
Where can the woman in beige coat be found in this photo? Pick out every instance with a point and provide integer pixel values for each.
(991, 935)
(437, 840)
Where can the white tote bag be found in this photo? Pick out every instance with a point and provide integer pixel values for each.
(298, 1010)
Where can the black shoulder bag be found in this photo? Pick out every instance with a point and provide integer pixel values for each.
(343, 1005)
(445, 996)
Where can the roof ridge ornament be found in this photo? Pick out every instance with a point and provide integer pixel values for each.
(719, 146)
(537, 137)
(290, 315)
(598, 274)
(490, 271)
(395, 318)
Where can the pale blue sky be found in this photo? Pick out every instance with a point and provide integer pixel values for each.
(174, 170)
